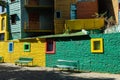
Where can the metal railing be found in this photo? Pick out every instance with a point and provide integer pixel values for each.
(34, 27)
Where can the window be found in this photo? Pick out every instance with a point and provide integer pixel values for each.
(58, 14)
(73, 13)
(12, 0)
(13, 19)
(119, 6)
(3, 9)
(3, 24)
(50, 46)
(2, 36)
(97, 45)
(10, 47)
(26, 47)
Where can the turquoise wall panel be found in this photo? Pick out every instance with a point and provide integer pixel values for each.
(15, 35)
(79, 49)
(15, 29)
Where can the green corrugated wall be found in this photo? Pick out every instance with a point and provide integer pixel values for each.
(78, 48)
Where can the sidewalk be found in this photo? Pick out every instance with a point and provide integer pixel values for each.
(10, 71)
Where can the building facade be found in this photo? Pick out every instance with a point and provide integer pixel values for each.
(30, 18)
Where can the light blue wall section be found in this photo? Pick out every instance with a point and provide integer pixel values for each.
(15, 29)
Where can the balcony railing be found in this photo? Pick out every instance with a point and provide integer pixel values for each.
(34, 27)
(36, 3)
(88, 24)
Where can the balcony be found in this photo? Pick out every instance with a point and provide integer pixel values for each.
(88, 24)
(37, 4)
(34, 27)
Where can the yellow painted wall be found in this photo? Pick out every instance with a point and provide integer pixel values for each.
(5, 30)
(79, 24)
(64, 7)
(37, 51)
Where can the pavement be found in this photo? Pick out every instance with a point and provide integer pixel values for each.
(10, 71)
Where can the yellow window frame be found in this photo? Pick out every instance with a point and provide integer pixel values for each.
(97, 45)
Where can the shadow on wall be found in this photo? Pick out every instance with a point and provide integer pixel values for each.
(19, 73)
(74, 38)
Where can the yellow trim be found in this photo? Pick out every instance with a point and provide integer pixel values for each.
(100, 50)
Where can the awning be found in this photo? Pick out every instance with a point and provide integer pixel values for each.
(64, 35)
(81, 33)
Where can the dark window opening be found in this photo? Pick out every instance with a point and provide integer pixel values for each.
(26, 46)
(3, 9)
(12, 0)
(50, 46)
(3, 24)
(58, 15)
(2, 37)
(119, 6)
(13, 19)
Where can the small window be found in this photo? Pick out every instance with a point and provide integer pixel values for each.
(50, 46)
(3, 9)
(119, 6)
(27, 47)
(13, 19)
(58, 14)
(10, 47)
(12, 0)
(97, 45)
(2, 36)
(3, 24)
